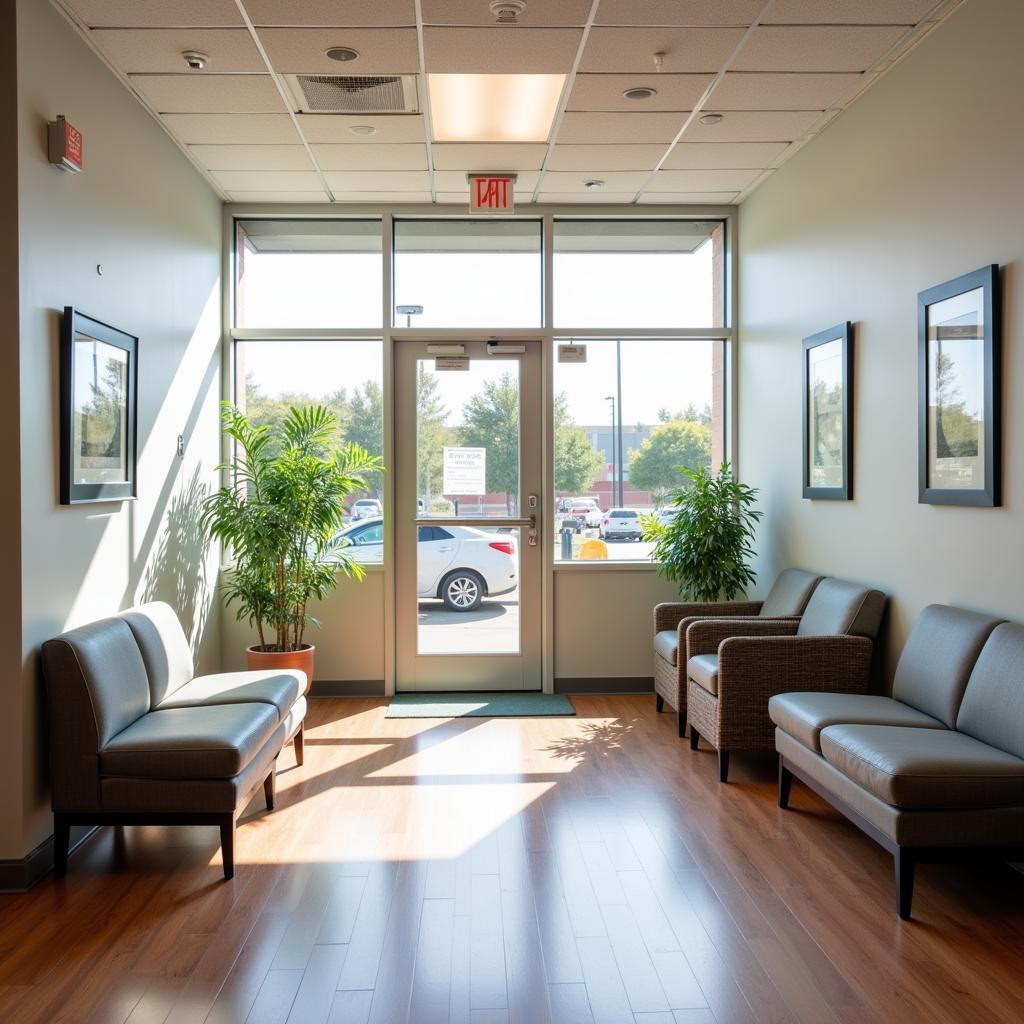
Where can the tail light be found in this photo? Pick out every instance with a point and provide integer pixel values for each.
(606, 521)
(506, 547)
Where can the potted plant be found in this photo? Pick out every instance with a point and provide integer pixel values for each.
(706, 544)
(281, 518)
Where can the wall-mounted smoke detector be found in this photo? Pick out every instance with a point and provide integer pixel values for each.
(710, 119)
(641, 92)
(363, 129)
(342, 53)
(353, 94)
(194, 60)
(506, 12)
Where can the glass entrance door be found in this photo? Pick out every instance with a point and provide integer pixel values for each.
(468, 519)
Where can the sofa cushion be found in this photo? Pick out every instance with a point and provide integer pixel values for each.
(839, 608)
(925, 768)
(993, 706)
(789, 594)
(190, 743)
(666, 645)
(804, 715)
(280, 689)
(938, 658)
(164, 647)
(703, 670)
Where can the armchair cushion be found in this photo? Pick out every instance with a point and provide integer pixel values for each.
(925, 768)
(666, 645)
(790, 593)
(804, 715)
(164, 647)
(703, 670)
(280, 689)
(993, 706)
(837, 607)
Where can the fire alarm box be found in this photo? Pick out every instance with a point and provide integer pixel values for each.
(65, 145)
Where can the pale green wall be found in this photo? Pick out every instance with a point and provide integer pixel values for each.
(919, 182)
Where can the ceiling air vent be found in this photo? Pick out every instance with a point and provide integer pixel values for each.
(353, 94)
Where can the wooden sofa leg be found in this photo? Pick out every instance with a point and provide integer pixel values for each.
(904, 865)
(681, 723)
(61, 842)
(227, 844)
(269, 787)
(723, 766)
(785, 784)
(659, 703)
(694, 738)
(300, 755)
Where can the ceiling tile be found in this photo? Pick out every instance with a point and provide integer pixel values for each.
(631, 50)
(383, 51)
(849, 12)
(499, 51)
(612, 158)
(701, 155)
(278, 197)
(213, 94)
(755, 126)
(614, 181)
(371, 157)
(702, 181)
(377, 13)
(612, 128)
(268, 181)
(382, 197)
(574, 198)
(489, 157)
(477, 12)
(605, 92)
(752, 91)
(232, 129)
(156, 50)
(378, 181)
(683, 198)
(678, 12)
(455, 181)
(156, 13)
(391, 128)
(252, 158)
(815, 47)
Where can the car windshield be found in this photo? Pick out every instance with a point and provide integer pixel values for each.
(623, 513)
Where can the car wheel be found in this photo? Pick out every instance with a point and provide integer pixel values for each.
(462, 591)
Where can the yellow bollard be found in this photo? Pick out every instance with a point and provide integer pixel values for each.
(593, 549)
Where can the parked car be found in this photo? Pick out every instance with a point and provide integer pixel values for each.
(460, 565)
(621, 524)
(665, 516)
(366, 508)
(584, 513)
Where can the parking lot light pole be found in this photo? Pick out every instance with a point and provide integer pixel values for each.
(615, 455)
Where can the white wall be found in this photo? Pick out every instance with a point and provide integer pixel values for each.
(142, 212)
(920, 181)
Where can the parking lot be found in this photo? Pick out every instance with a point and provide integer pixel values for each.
(493, 628)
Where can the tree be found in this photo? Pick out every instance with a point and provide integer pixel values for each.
(678, 443)
(431, 435)
(491, 421)
(366, 426)
(691, 413)
(956, 430)
(576, 460)
(262, 410)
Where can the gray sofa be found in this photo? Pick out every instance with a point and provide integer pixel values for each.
(935, 772)
(135, 738)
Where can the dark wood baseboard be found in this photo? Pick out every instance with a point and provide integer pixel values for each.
(17, 876)
(605, 684)
(347, 688)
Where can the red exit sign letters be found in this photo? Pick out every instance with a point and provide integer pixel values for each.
(492, 193)
(64, 142)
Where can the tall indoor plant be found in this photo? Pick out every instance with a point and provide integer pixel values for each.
(280, 518)
(706, 546)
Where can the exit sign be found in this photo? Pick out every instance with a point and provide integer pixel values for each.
(492, 193)
(64, 142)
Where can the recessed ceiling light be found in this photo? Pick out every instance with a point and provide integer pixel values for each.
(493, 108)
(593, 184)
(712, 118)
(641, 92)
(362, 129)
(342, 53)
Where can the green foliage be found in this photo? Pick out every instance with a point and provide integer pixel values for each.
(657, 465)
(282, 516)
(431, 435)
(490, 419)
(576, 461)
(957, 430)
(706, 547)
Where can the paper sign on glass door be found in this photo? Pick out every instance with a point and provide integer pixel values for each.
(465, 471)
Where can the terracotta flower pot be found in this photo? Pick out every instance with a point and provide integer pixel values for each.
(302, 659)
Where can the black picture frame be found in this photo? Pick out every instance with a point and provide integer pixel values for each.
(989, 462)
(108, 482)
(842, 334)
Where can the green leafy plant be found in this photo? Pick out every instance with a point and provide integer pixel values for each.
(282, 516)
(705, 547)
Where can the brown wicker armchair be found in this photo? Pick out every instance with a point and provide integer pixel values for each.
(787, 598)
(734, 668)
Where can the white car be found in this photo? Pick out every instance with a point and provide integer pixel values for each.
(666, 516)
(460, 565)
(585, 511)
(366, 508)
(621, 524)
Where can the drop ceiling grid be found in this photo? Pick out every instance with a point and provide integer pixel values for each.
(779, 70)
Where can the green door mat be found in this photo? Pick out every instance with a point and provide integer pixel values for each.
(478, 705)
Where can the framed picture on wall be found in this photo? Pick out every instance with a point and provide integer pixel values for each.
(828, 413)
(959, 408)
(98, 375)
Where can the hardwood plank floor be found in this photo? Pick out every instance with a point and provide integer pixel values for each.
(571, 871)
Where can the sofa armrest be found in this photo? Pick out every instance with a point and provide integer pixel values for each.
(704, 636)
(668, 614)
(756, 669)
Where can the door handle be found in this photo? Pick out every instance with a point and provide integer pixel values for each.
(447, 547)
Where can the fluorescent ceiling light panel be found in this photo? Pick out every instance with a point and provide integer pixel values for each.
(493, 108)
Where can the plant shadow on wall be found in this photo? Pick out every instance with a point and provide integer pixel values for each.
(177, 573)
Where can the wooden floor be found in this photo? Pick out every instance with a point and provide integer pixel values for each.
(541, 870)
